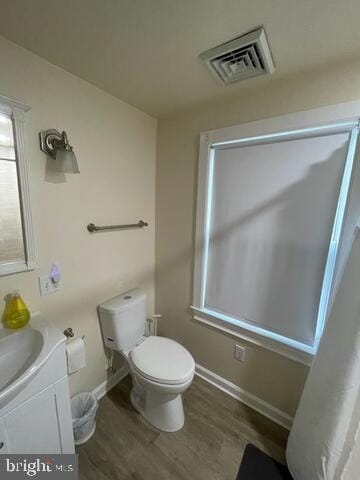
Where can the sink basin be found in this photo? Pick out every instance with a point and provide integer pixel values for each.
(23, 352)
(18, 352)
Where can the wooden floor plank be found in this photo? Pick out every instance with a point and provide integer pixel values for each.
(209, 447)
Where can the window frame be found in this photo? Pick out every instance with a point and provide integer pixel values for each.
(342, 117)
(16, 111)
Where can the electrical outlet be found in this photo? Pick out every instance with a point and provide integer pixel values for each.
(239, 353)
(47, 286)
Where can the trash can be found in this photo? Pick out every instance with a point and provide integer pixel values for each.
(83, 411)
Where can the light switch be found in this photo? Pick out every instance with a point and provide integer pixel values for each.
(47, 285)
(239, 353)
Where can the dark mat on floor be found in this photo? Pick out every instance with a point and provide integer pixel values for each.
(256, 465)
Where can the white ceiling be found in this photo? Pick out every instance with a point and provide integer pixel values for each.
(146, 51)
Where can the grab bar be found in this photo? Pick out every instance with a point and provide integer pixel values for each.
(94, 228)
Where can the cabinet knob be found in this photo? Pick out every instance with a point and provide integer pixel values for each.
(2, 444)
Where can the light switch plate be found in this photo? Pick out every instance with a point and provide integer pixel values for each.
(239, 353)
(47, 286)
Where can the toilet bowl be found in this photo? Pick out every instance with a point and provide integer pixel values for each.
(161, 368)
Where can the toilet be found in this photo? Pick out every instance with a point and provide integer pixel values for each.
(161, 368)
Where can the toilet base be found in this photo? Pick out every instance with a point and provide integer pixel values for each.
(163, 411)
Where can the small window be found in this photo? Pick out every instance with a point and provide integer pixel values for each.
(16, 239)
(270, 219)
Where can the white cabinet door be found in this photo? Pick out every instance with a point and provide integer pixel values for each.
(33, 426)
(63, 407)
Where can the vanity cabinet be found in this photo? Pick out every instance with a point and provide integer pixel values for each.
(38, 419)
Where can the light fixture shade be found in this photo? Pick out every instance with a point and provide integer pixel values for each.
(66, 162)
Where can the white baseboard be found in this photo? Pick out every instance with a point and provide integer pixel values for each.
(247, 398)
(110, 382)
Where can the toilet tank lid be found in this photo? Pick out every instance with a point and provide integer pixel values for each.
(123, 302)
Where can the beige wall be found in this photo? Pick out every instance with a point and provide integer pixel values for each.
(115, 147)
(271, 377)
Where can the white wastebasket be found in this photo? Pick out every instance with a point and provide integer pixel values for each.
(83, 410)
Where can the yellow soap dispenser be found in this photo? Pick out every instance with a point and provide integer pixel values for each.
(16, 314)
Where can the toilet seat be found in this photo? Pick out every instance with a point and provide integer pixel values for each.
(162, 360)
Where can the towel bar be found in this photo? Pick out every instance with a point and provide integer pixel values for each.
(94, 228)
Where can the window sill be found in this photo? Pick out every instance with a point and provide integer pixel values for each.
(290, 349)
(16, 267)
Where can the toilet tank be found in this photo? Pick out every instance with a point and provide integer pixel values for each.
(123, 319)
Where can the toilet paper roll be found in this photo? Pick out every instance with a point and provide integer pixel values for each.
(75, 353)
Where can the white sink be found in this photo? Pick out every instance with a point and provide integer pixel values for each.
(22, 354)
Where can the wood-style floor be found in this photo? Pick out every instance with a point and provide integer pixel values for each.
(209, 447)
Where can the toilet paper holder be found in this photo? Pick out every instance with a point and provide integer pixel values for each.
(69, 333)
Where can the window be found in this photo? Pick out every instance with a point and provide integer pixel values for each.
(16, 241)
(271, 210)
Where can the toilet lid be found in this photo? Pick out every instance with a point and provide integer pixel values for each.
(163, 360)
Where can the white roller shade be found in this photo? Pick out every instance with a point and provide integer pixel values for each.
(272, 213)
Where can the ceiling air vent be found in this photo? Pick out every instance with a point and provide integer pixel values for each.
(244, 57)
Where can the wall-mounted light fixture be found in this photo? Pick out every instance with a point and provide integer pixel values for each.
(56, 145)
